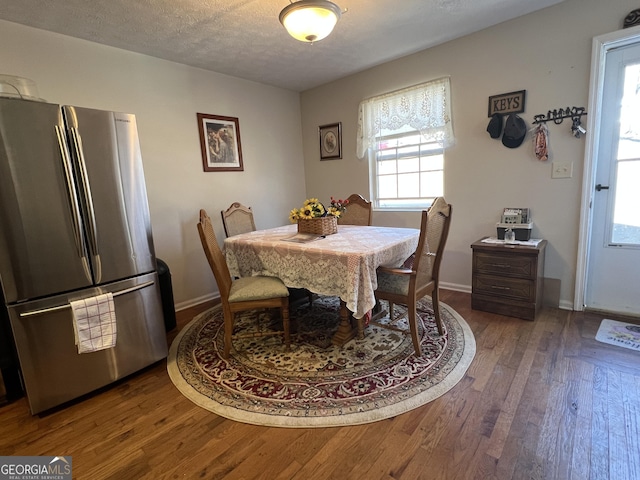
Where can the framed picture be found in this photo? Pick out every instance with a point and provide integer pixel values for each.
(220, 143)
(330, 141)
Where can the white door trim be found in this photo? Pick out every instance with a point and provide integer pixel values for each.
(601, 45)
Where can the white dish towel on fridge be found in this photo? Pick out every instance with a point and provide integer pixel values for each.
(94, 323)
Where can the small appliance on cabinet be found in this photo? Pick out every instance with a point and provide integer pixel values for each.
(516, 220)
(74, 224)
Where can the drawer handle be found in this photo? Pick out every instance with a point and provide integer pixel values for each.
(498, 287)
(501, 265)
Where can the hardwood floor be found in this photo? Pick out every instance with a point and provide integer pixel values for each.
(541, 400)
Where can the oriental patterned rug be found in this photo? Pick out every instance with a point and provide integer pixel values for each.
(317, 384)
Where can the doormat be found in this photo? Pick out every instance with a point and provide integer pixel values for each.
(626, 335)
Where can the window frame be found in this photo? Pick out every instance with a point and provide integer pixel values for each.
(422, 110)
(399, 203)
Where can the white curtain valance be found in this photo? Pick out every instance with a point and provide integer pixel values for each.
(425, 107)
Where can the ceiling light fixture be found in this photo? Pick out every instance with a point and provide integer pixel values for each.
(310, 20)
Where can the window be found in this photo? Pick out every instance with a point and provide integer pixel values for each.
(408, 172)
(405, 134)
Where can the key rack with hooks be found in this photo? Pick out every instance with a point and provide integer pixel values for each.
(558, 115)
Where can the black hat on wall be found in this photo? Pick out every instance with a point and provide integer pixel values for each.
(515, 129)
(495, 125)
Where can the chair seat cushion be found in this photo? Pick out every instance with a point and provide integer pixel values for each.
(256, 288)
(398, 284)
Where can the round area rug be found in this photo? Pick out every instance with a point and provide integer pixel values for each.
(317, 384)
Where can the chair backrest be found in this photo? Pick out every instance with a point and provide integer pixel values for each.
(434, 230)
(237, 219)
(214, 255)
(358, 211)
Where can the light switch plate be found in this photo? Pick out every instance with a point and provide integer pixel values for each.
(562, 170)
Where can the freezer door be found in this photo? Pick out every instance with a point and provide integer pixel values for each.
(52, 369)
(42, 250)
(107, 155)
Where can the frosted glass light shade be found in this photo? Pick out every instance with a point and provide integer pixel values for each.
(310, 20)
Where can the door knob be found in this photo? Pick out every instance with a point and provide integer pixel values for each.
(602, 187)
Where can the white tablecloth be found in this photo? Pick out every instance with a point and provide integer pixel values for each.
(343, 264)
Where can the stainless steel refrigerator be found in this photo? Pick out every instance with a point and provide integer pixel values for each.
(74, 223)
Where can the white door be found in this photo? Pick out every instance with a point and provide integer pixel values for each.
(613, 275)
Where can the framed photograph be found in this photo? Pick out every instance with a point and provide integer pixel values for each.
(330, 141)
(220, 143)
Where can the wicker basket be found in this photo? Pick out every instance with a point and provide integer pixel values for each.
(319, 226)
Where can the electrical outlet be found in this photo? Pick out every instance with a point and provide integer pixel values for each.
(562, 170)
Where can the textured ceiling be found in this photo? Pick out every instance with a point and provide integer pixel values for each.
(244, 38)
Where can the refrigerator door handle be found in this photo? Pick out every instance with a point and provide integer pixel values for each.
(76, 217)
(68, 305)
(92, 232)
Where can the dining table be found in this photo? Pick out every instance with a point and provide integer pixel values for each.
(342, 264)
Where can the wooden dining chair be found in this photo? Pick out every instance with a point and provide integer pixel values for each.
(237, 219)
(242, 294)
(407, 284)
(358, 212)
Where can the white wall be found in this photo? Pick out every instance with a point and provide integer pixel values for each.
(165, 98)
(546, 53)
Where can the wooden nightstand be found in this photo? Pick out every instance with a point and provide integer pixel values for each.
(508, 279)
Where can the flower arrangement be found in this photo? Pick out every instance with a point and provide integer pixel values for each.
(313, 208)
(337, 207)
